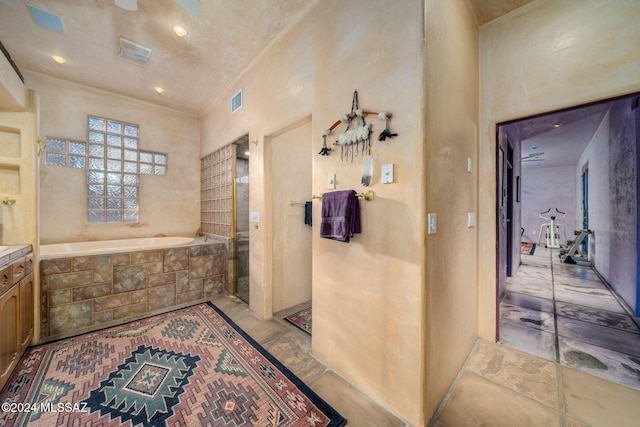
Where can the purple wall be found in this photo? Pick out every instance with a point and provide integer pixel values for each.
(544, 188)
(613, 200)
(623, 268)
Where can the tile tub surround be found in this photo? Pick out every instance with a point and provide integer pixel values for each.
(89, 292)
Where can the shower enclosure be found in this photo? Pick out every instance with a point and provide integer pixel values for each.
(241, 210)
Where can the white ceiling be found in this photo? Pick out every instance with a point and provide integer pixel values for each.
(488, 10)
(559, 138)
(224, 37)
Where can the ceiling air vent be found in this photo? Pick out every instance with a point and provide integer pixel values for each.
(236, 101)
(134, 52)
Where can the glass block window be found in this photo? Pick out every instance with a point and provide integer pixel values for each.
(153, 163)
(65, 152)
(114, 164)
(112, 190)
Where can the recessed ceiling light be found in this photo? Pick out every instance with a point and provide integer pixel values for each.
(246, 153)
(557, 125)
(180, 32)
(58, 59)
(158, 89)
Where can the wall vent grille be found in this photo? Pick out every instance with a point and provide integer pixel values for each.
(236, 101)
(134, 52)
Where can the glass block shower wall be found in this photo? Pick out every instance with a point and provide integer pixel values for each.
(216, 180)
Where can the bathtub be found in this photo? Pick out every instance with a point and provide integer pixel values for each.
(58, 250)
(92, 285)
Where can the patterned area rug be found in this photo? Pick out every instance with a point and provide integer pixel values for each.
(527, 248)
(190, 367)
(301, 319)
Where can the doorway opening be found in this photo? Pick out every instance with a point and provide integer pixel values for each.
(582, 162)
(584, 181)
(288, 173)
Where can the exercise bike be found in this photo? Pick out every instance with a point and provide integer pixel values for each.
(552, 232)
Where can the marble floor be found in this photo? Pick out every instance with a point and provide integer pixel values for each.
(565, 313)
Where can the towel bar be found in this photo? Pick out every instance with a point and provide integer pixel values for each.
(367, 195)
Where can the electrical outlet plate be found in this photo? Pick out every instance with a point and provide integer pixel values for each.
(254, 217)
(387, 173)
(331, 184)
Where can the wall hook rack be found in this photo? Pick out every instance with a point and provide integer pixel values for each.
(357, 132)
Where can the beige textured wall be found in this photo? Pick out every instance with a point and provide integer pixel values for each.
(451, 139)
(168, 205)
(18, 170)
(367, 294)
(18, 222)
(547, 55)
(13, 93)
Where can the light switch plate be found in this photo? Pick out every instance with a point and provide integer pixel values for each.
(387, 173)
(331, 184)
(471, 219)
(431, 219)
(254, 217)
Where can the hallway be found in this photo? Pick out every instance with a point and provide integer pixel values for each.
(565, 313)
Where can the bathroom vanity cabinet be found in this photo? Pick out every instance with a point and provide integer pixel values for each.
(16, 313)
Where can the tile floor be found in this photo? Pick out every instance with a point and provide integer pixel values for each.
(292, 347)
(498, 386)
(503, 387)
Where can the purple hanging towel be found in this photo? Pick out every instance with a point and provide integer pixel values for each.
(340, 215)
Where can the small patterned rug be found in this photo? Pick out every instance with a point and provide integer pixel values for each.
(527, 248)
(189, 367)
(301, 319)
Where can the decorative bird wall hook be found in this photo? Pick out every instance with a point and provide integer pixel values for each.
(386, 133)
(325, 150)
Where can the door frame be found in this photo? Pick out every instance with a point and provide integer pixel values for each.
(584, 182)
(636, 109)
(508, 216)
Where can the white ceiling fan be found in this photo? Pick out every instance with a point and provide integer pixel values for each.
(191, 6)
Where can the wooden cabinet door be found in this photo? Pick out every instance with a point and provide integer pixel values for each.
(26, 312)
(9, 336)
